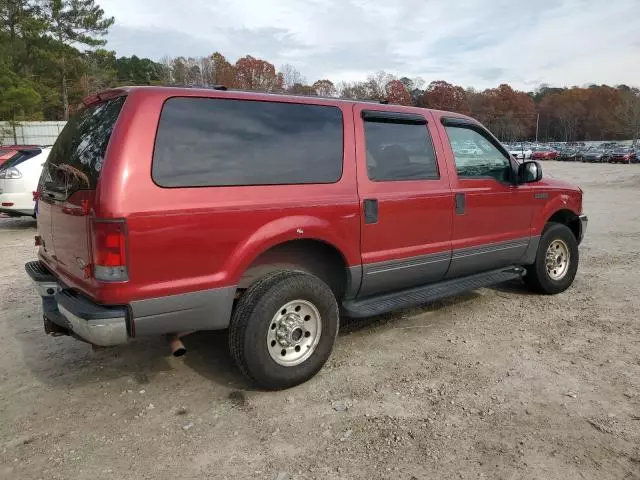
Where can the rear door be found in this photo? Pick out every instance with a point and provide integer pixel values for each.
(405, 197)
(492, 220)
(67, 187)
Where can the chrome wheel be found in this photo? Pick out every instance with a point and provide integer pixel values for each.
(294, 333)
(557, 259)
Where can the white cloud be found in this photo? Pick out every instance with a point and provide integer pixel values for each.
(468, 42)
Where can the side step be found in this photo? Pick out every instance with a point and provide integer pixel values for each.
(414, 297)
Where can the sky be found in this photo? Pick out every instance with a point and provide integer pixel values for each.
(473, 43)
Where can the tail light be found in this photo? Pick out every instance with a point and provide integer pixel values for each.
(110, 250)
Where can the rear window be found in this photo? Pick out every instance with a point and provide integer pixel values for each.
(77, 157)
(220, 142)
(19, 157)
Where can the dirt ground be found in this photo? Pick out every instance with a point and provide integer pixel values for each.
(496, 384)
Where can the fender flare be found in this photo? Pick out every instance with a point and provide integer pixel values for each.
(280, 231)
(556, 204)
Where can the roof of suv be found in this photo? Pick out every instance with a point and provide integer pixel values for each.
(220, 91)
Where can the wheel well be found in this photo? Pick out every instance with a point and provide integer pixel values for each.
(311, 256)
(568, 218)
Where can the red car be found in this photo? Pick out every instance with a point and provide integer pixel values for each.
(204, 209)
(544, 154)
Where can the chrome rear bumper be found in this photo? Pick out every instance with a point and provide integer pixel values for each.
(96, 324)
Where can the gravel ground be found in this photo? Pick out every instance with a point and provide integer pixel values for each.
(497, 383)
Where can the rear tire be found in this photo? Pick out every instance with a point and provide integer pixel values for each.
(556, 261)
(283, 329)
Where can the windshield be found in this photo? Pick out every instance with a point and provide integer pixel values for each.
(76, 159)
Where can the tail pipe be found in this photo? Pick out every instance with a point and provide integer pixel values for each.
(175, 344)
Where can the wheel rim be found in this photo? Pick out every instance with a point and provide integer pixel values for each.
(557, 259)
(294, 333)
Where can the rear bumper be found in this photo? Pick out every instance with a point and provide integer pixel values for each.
(107, 325)
(584, 221)
(20, 203)
(96, 324)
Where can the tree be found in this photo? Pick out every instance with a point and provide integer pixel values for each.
(300, 89)
(441, 95)
(256, 74)
(291, 76)
(324, 88)
(18, 98)
(138, 71)
(629, 113)
(376, 85)
(77, 22)
(397, 93)
(224, 72)
(355, 91)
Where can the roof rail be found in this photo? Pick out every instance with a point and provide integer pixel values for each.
(225, 88)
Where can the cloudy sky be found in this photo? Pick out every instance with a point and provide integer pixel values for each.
(478, 43)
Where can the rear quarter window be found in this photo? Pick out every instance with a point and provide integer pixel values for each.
(223, 142)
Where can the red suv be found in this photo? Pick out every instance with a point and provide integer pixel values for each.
(169, 210)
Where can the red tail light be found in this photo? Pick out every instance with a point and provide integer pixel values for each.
(110, 250)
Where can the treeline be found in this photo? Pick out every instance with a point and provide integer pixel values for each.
(51, 58)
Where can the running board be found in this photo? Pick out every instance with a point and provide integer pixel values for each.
(414, 297)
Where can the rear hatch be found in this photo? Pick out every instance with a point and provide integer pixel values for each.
(67, 188)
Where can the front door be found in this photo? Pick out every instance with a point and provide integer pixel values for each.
(405, 198)
(492, 219)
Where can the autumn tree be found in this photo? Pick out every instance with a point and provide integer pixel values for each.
(324, 88)
(376, 85)
(356, 91)
(224, 72)
(256, 74)
(441, 95)
(510, 114)
(78, 22)
(300, 89)
(397, 93)
(629, 113)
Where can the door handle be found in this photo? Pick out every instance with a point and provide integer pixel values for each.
(370, 210)
(459, 203)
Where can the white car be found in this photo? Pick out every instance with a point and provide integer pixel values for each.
(520, 153)
(19, 179)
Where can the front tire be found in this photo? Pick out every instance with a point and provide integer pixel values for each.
(283, 329)
(556, 261)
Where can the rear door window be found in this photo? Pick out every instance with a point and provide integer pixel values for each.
(77, 157)
(223, 142)
(398, 149)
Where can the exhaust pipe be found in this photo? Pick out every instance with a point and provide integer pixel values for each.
(175, 344)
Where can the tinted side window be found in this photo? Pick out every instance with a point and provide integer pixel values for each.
(399, 151)
(218, 142)
(475, 156)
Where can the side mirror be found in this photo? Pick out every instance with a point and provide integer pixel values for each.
(529, 172)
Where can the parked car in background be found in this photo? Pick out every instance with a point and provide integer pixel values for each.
(624, 155)
(520, 152)
(595, 155)
(19, 178)
(544, 153)
(568, 154)
(167, 210)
